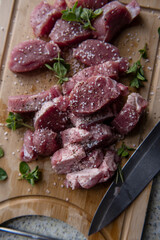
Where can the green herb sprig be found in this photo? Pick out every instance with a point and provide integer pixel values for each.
(137, 70)
(81, 15)
(123, 151)
(119, 174)
(60, 68)
(1, 152)
(3, 175)
(159, 31)
(15, 121)
(27, 174)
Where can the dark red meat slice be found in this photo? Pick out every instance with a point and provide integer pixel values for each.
(129, 116)
(32, 54)
(32, 103)
(88, 178)
(89, 120)
(53, 115)
(92, 52)
(44, 16)
(44, 141)
(90, 96)
(93, 4)
(114, 18)
(64, 159)
(66, 33)
(28, 152)
(74, 135)
(110, 69)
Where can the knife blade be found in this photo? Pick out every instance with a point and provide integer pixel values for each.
(139, 170)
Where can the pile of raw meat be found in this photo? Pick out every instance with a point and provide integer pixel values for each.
(78, 124)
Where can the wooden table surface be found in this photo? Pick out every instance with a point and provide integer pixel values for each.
(17, 197)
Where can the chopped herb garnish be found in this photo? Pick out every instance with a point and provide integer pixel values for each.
(159, 31)
(1, 152)
(60, 68)
(81, 15)
(27, 174)
(3, 175)
(119, 174)
(123, 151)
(137, 70)
(15, 121)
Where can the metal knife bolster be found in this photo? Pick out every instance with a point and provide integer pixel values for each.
(142, 166)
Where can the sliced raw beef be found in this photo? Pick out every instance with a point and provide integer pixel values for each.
(32, 103)
(86, 121)
(64, 159)
(28, 152)
(88, 178)
(66, 33)
(92, 52)
(90, 96)
(32, 54)
(44, 141)
(101, 136)
(44, 16)
(110, 69)
(93, 4)
(53, 115)
(129, 116)
(114, 18)
(74, 135)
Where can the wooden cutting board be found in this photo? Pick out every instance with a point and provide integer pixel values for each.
(49, 197)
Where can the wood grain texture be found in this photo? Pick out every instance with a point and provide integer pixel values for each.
(48, 197)
(150, 4)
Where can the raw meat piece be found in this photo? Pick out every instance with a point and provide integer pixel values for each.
(89, 120)
(44, 141)
(90, 96)
(28, 152)
(64, 159)
(74, 135)
(66, 33)
(92, 52)
(101, 135)
(88, 178)
(114, 18)
(32, 103)
(53, 115)
(93, 4)
(110, 69)
(44, 16)
(32, 54)
(129, 116)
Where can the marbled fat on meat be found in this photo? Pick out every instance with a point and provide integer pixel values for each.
(66, 33)
(32, 54)
(44, 16)
(32, 103)
(28, 152)
(110, 69)
(44, 141)
(114, 18)
(88, 178)
(130, 114)
(53, 115)
(90, 96)
(64, 159)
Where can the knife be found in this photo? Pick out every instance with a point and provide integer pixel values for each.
(142, 166)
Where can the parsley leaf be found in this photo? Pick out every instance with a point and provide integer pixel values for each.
(1, 152)
(137, 70)
(159, 31)
(81, 15)
(27, 174)
(15, 121)
(3, 175)
(60, 68)
(123, 150)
